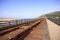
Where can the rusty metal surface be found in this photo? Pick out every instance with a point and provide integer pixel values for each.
(16, 32)
(39, 33)
(11, 34)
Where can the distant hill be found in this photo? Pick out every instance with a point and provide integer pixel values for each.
(52, 15)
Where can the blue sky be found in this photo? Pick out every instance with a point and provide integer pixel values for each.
(27, 8)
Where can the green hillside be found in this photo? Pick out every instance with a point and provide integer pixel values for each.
(52, 15)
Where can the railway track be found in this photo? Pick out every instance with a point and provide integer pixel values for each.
(20, 32)
(40, 32)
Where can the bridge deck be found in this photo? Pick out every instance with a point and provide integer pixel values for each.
(39, 33)
(54, 30)
(45, 30)
(15, 33)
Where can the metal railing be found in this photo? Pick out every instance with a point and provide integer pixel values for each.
(57, 21)
(14, 22)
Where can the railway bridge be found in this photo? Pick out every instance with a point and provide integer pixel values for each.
(35, 29)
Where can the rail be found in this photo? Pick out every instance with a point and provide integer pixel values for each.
(23, 34)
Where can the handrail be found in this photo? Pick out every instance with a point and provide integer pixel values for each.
(54, 20)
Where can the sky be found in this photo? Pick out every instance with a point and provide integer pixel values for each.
(27, 8)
